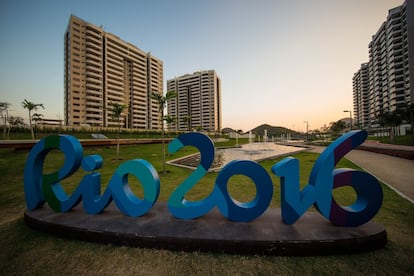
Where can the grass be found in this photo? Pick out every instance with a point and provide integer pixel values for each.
(406, 140)
(25, 251)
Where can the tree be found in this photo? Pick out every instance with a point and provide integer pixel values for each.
(337, 127)
(36, 117)
(324, 128)
(117, 110)
(396, 119)
(4, 114)
(30, 106)
(169, 120)
(408, 116)
(162, 102)
(187, 120)
(382, 119)
(392, 120)
(14, 121)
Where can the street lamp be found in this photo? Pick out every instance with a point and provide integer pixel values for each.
(350, 117)
(307, 129)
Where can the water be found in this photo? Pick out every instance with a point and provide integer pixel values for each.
(253, 151)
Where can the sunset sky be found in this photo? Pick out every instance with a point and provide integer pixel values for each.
(280, 62)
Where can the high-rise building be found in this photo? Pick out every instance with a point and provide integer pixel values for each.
(101, 69)
(390, 67)
(197, 104)
(361, 95)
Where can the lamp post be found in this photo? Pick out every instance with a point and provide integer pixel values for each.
(350, 117)
(307, 129)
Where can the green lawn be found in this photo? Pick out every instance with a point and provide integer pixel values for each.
(406, 140)
(25, 251)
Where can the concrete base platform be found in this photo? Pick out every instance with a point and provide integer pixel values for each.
(310, 235)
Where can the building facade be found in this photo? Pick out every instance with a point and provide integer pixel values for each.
(197, 104)
(360, 85)
(101, 69)
(390, 68)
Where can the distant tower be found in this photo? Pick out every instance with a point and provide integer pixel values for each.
(198, 101)
(360, 88)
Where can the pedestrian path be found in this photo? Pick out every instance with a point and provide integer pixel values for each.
(396, 173)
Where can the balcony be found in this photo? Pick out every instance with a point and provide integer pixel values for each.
(113, 58)
(91, 46)
(96, 109)
(93, 55)
(93, 97)
(116, 87)
(136, 55)
(93, 35)
(116, 94)
(139, 96)
(90, 77)
(114, 76)
(92, 72)
(117, 47)
(115, 66)
(94, 121)
(90, 27)
(93, 90)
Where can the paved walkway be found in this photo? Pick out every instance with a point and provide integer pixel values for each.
(396, 173)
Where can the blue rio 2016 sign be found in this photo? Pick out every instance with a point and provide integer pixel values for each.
(40, 188)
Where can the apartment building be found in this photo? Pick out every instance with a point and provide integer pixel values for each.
(100, 69)
(390, 67)
(198, 101)
(360, 86)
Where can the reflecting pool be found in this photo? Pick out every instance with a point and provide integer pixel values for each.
(252, 151)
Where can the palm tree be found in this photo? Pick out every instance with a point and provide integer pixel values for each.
(36, 117)
(31, 106)
(169, 120)
(187, 120)
(117, 109)
(162, 102)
